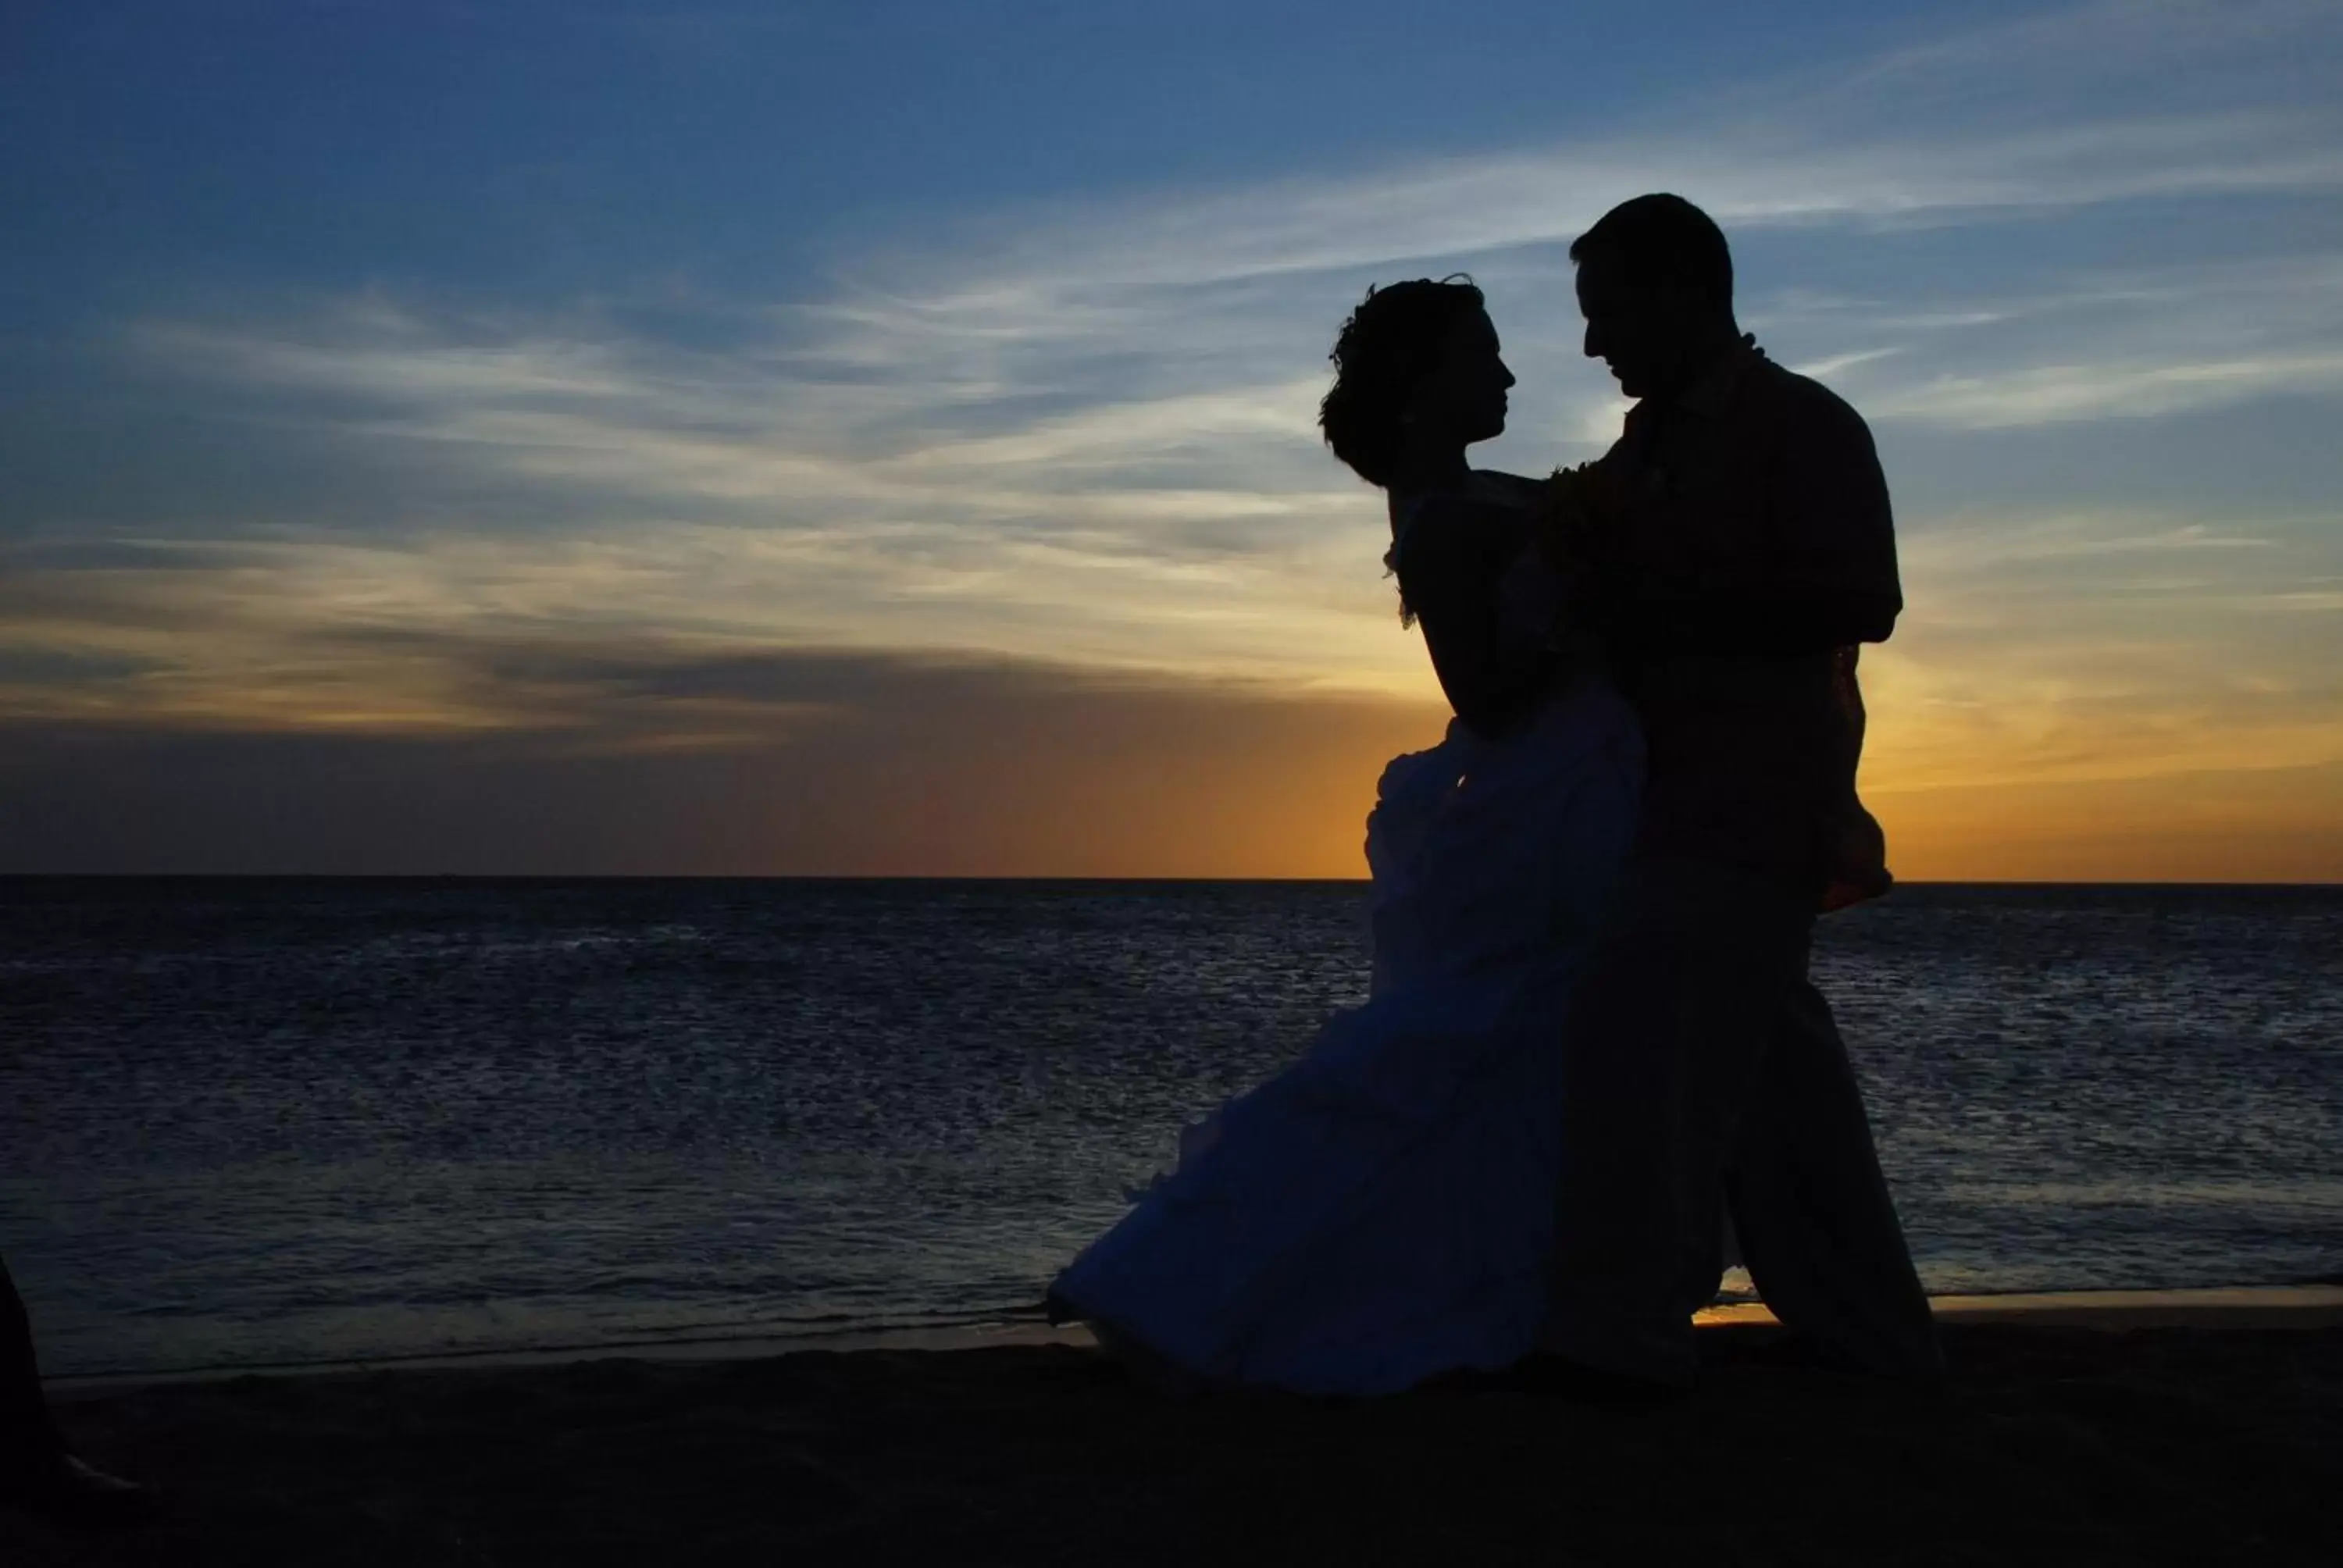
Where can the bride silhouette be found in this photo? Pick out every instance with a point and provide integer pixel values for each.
(1382, 1211)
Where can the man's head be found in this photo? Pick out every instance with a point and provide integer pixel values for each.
(1655, 286)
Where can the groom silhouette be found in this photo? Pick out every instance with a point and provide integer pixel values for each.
(1747, 551)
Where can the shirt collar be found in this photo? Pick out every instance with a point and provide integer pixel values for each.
(1712, 396)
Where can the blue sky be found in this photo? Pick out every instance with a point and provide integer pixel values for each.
(644, 401)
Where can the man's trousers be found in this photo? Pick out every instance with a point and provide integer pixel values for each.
(1703, 1069)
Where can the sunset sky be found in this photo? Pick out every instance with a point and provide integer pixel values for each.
(857, 436)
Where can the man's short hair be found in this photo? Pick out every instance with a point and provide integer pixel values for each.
(1663, 238)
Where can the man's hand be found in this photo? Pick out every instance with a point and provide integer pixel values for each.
(1579, 516)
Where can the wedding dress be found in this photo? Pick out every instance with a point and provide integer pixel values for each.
(1381, 1210)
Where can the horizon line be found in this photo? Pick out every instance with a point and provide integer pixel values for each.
(1034, 880)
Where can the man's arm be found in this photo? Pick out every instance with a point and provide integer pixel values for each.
(1775, 618)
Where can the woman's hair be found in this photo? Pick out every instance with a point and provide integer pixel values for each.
(1391, 341)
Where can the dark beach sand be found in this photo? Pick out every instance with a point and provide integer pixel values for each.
(2216, 1443)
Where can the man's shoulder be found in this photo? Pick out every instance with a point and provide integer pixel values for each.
(1804, 404)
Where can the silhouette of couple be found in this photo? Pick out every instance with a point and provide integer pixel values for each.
(1590, 1038)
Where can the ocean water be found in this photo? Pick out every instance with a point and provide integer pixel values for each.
(247, 1122)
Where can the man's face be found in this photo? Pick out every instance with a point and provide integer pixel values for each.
(1634, 329)
(1463, 397)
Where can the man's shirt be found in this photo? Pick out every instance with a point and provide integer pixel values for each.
(1756, 543)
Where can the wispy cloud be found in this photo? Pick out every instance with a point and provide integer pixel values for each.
(1081, 432)
(806, 762)
(2142, 341)
(2049, 394)
(2102, 646)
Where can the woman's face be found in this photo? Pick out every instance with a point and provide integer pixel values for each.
(1464, 397)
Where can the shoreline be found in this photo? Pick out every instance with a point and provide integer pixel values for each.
(2256, 1307)
(2209, 1428)
(2317, 1305)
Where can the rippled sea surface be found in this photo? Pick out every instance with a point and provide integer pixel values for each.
(251, 1121)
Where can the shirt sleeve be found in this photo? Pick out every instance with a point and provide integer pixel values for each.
(1833, 530)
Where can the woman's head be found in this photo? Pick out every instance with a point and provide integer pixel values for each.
(1417, 358)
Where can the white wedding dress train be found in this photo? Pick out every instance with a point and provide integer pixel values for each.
(1381, 1210)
